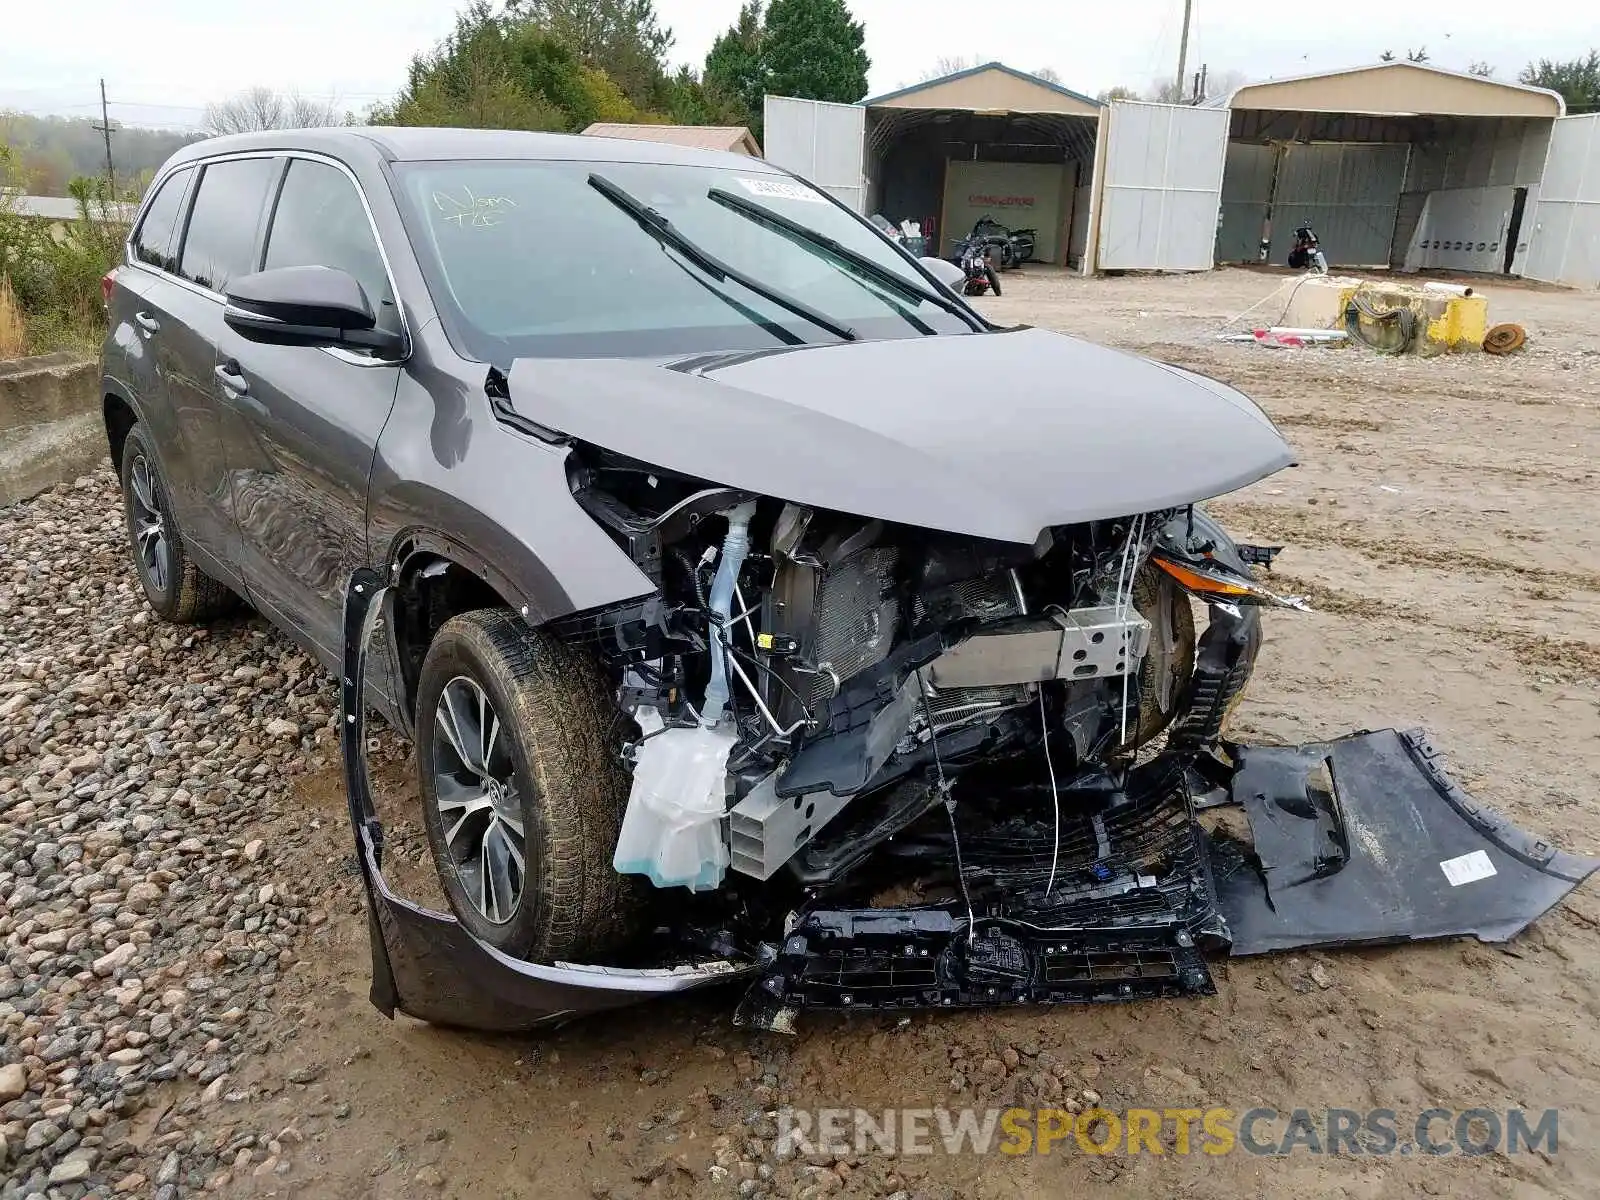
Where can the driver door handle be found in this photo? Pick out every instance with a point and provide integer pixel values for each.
(147, 323)
(229, 376)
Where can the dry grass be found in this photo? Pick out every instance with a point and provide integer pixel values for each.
(13, 334)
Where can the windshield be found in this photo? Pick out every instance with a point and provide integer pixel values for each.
(527, 258)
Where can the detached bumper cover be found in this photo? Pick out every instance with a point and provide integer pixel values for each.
(1366, 840)
(1360, 841)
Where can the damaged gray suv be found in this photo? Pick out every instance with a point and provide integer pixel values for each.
(756, 606)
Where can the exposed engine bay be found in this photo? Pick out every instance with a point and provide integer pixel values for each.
(805, 663)
(875, 766)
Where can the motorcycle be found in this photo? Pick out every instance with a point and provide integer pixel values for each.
(1307, 252)
(975, 256)
(1014, 246)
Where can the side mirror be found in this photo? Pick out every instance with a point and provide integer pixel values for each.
(945, 272)
(306, 306)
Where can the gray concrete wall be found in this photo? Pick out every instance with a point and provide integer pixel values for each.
(51, 428)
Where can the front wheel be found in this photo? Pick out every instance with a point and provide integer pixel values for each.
(523, 788)
(994, 279)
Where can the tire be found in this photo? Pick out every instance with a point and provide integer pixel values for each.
(994, 279)
(175, 587)
(557, 767)
(1167, 668)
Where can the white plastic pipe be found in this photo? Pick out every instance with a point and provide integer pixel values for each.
(735, 546)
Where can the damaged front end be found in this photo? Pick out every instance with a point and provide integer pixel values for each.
(882, 767)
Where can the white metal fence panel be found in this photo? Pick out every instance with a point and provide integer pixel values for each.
(1564, 246)
(821, 142)
(1162, 189)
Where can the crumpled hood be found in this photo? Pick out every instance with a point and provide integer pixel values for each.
(995, 435)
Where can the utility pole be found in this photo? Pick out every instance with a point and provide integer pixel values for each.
(1200, 84)
(105, 128)
(1183, 46)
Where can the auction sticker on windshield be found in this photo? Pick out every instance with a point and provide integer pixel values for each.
(781, 189)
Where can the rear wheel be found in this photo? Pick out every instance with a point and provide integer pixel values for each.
(177, 589)
(523, 788)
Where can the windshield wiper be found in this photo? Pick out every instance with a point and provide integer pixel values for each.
(658, 227)
(795, 231)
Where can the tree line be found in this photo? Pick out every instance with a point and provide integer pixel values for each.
(48, 153)
(562, 65)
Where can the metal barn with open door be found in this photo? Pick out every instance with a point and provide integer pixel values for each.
(989, 141)
(1396, 165)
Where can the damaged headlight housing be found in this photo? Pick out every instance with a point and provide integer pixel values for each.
(1214, 581)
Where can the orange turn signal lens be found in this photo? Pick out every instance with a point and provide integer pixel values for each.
(1197, 581)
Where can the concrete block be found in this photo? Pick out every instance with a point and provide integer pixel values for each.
(1446, 323)
(47, 387)
(51, 427)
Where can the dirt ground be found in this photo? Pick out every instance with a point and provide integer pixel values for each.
(1443, 519)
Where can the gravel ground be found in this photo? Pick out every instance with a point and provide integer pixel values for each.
(183, 988)
(143, 934)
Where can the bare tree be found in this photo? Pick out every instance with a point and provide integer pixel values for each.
(949, 65)
(1224, 83)
(262, 108)
(1481, 69)
(1049, 75)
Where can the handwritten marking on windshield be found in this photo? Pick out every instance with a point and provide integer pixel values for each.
(467, 210)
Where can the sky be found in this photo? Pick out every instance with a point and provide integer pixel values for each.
(162, 60)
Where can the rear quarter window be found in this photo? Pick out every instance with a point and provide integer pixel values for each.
(157, 233)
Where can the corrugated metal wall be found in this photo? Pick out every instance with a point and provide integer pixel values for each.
(1246, 197)
(1348, 193)
(1565, 242)
(1485, 159)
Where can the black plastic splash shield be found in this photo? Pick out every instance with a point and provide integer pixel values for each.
(426, 964)
(1366, 840)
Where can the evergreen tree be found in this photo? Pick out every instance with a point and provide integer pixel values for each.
(736, 68)
(1578, 80)
(623, 38)
(814, 49)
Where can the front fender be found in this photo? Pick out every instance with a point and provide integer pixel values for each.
(448, 477)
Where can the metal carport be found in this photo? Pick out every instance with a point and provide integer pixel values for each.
(1395, 165)
(989, 140)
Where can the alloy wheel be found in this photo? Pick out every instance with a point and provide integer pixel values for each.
(476, 798)
(150, 540)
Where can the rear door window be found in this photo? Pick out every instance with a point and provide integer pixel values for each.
(320, 222)
(221, 239)
(154, 241)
